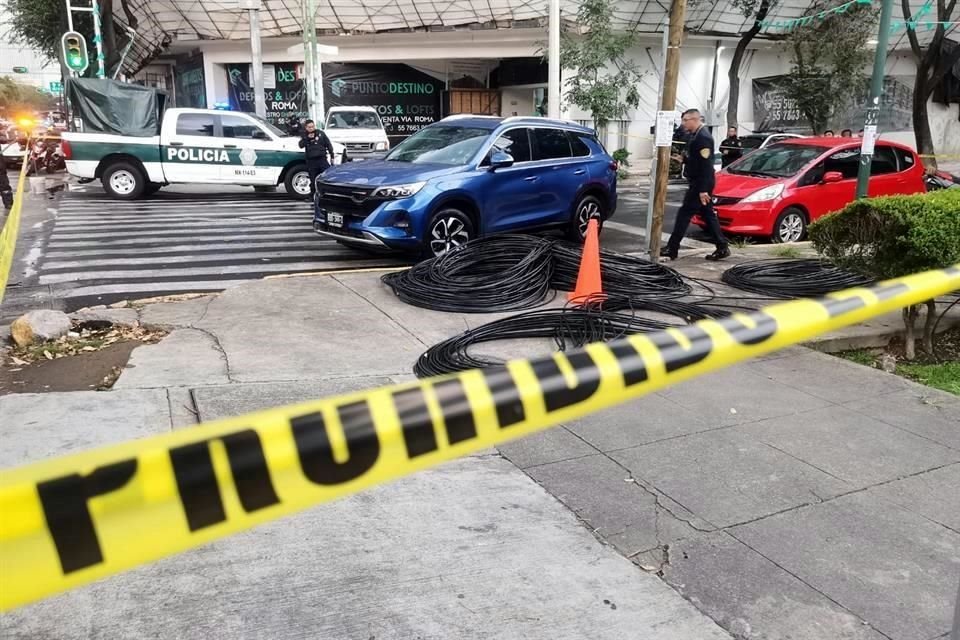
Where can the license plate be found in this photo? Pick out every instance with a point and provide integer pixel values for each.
(335, 219)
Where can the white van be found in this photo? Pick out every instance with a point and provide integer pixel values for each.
(359, 129)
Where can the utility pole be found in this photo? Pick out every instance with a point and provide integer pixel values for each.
(553, 60)
(256, 56)
(873, 109)
(648, 222)
(668, 102)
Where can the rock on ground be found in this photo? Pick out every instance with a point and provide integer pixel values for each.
(39, 326)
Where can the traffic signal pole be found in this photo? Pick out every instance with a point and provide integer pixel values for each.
(870, 133)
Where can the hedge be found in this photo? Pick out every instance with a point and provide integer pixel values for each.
(892, 236)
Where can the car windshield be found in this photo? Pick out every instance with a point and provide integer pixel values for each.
(777, 160)
(266, 125)
(353, 120)
(448, 145)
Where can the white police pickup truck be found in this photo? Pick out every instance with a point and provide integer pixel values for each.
(195, 146)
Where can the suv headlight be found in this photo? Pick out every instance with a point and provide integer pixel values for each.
(381, 146)
(767, 193)
(398, 190)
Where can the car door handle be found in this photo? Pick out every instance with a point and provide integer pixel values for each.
(229, 146)
(579, 172)
(531, 178)
(176, 144)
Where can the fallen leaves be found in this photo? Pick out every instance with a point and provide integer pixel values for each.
(80, 341)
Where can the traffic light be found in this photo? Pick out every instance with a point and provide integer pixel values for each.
(74, 49)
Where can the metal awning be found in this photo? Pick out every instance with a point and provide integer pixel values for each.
(160, 22)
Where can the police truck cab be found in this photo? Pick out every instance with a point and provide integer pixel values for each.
(194, 146)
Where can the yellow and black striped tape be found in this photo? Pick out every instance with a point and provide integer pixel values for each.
(8, 235)
(68, 521)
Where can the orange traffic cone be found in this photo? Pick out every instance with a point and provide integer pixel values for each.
(589, 288)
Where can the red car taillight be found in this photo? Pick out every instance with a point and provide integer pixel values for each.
(66, 150)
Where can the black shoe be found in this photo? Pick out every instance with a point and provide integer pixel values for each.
(719, 254)
(666, 252)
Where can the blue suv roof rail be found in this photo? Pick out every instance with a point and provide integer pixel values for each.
(460, 116)
(553, 121)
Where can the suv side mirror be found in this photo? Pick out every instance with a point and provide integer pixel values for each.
(832, 176)
(500, 160)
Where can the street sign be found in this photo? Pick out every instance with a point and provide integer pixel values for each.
(74, 49)
(56, 87)
(20, 70)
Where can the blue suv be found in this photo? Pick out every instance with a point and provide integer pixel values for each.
(469, 176)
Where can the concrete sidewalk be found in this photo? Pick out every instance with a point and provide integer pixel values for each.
(798, 496)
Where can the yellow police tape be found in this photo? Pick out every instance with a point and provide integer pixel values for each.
(8, 236)
(68, 521)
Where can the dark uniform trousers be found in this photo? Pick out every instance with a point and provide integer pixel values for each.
(700, 174)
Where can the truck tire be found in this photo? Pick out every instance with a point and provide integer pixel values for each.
(297, 182)
(123, 181)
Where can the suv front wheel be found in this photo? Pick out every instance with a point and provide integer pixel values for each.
(449, 228)
(587, 207)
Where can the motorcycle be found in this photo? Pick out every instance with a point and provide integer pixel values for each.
(45, 155)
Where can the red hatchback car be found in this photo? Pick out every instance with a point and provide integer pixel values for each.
(778, 190)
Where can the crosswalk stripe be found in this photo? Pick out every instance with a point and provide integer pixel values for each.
(320, 265)
(102, 248)
(196, 249)
(259, 256)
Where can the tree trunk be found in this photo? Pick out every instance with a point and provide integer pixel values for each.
(909, 341)
(733, 75)
(921, 121)
(929, 325)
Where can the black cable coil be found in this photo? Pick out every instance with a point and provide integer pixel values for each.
(786, 279)
(568, 327)
(516, 272)
(622, 274)
(496, 273)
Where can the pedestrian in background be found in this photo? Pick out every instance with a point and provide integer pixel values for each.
(698, 168)
(6, 193)
(294, 128)
(318, 150)
(828, 133)
(860, 133)
(731, 149)
(846, 133)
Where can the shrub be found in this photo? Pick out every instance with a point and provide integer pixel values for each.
(894, 236)
(622, 157)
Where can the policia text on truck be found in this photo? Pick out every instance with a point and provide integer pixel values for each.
(195, 146)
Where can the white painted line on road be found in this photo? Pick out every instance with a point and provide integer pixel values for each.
(99, 221)
(169, 232)
(228, 249)
(187, 285)
(67, 244)
(173, 227)
(318, 252)
(56, 278)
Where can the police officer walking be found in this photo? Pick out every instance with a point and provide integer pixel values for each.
(318, 149)
(698, 168)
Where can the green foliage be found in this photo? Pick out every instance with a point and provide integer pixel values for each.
(893, 236)
(622, 157)
(38, 24)
(828, 60)
(606, 82)
(15, 97)
(786, 252)
(944, 376)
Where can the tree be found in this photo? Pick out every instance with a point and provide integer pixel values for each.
(759, 9)
(828, 61)
(15, 97)
(606, 82)
(933, 64)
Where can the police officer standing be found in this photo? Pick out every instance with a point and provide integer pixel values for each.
(731, 149)
(318, 149)
(698, 167)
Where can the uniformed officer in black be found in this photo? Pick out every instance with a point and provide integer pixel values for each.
(731, 149)
(318, 149)
(698, 167)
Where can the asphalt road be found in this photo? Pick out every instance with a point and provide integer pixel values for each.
(79, 248)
